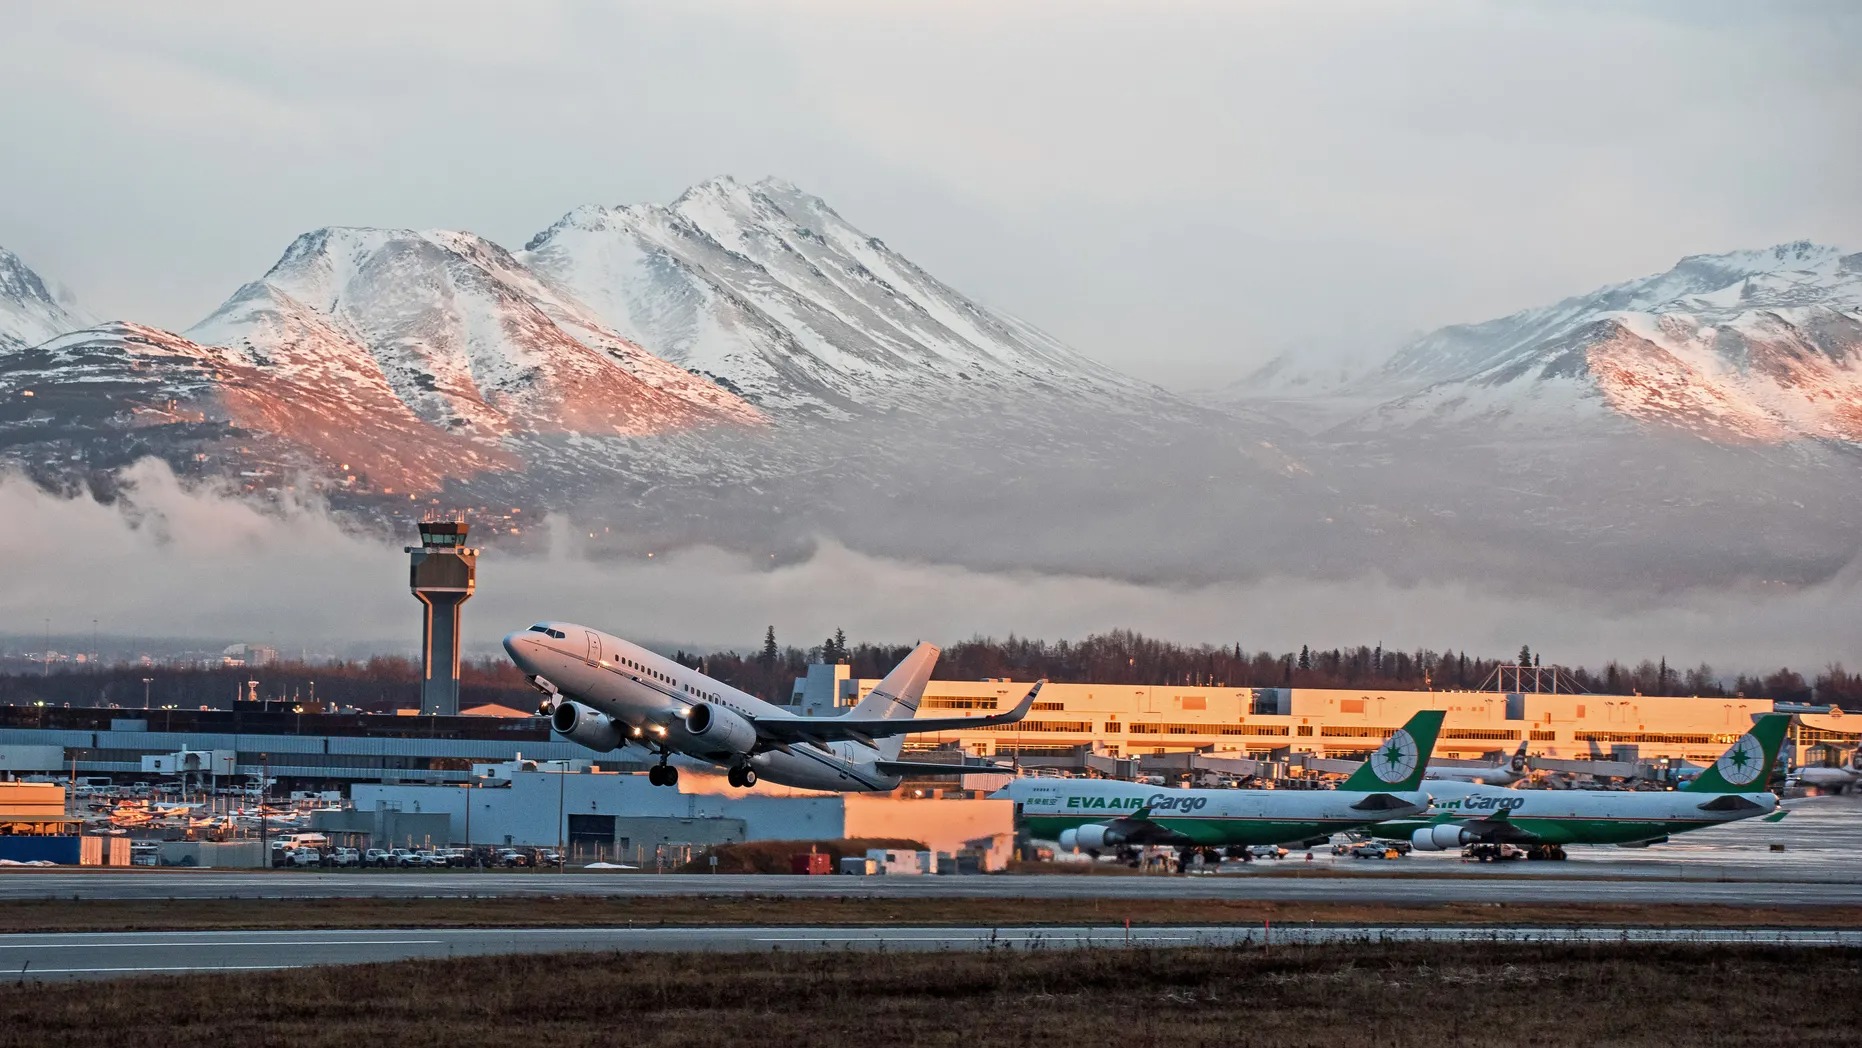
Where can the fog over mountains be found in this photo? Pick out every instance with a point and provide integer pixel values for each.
(744, 368)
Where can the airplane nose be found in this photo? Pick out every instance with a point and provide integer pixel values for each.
(515, 645)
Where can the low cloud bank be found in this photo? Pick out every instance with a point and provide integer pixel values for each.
(168, 561)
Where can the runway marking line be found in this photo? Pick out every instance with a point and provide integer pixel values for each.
(1103, 937)
(174, 968)
(165, 945)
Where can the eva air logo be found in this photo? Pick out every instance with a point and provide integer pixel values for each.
(1395, 760)
(1741, 764)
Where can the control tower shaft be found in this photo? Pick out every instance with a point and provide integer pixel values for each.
(443, 572)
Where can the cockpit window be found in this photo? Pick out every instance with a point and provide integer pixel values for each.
(546, 631)
(539, 628)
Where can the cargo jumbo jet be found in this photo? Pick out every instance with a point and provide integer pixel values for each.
(1101, 815)
(603, 693)
(1481, 819)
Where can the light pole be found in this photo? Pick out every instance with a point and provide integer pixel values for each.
(562, 787)
(146, 681)
(265, 774)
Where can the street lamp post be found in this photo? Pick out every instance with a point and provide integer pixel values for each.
(146, 681)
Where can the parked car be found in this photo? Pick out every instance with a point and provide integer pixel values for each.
(404, 857)
(429, 857)
(378, 857)
(303, 857)
(345, 857)
(1267, 851)
(549, 857)
(513, 857)
(1375, 850)
(457, 856)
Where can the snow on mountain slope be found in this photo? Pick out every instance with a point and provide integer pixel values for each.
(767, 289)
(1747, 347)
(106, 395)
(456, 330)
(29, 312)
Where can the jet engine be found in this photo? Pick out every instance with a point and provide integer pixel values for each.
(586, 726)
(1093, 836)
(1440, 838)
(721, 730)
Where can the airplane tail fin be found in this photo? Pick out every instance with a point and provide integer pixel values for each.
(1747, 765)
(1520, 764)
(1398, 763)
(897, 696)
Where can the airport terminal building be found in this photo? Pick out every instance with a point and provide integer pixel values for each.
(1068, 723)
(1138, 720)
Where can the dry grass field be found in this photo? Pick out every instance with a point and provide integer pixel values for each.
(67, 915)
(1337, 996)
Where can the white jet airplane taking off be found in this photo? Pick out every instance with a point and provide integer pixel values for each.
(604, 692)
(1511, 771)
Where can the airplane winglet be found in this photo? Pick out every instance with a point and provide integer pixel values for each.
(1015, 713)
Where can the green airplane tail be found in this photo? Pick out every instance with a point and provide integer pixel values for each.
(1747, 765)
(1398, 763)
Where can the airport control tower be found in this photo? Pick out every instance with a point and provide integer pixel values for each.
(442, 572)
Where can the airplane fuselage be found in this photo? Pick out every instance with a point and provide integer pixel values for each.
(650, 695)
(1584, 816)
(1212, 818)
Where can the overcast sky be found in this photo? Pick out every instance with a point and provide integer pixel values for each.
(1181, 190)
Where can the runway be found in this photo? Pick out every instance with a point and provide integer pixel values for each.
(110, 955)
(1427, 888)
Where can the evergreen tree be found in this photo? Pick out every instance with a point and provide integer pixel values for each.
(1305, 657)
(1525, 655)
(768, 656)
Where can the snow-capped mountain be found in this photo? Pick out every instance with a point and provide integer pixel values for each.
(743, 368)
(93, 400)
(766, 289)
(1751, 346)
(455, 329)
(29, 312)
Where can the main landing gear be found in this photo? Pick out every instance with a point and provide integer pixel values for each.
(1551, 852)
(742, 775)
(663, 774)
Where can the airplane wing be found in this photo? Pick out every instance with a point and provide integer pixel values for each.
(786, 730)
(1137, 828)
(1497, 828)
(917, 768)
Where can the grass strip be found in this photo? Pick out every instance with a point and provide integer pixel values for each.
(70, 915)
(1344, 996)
